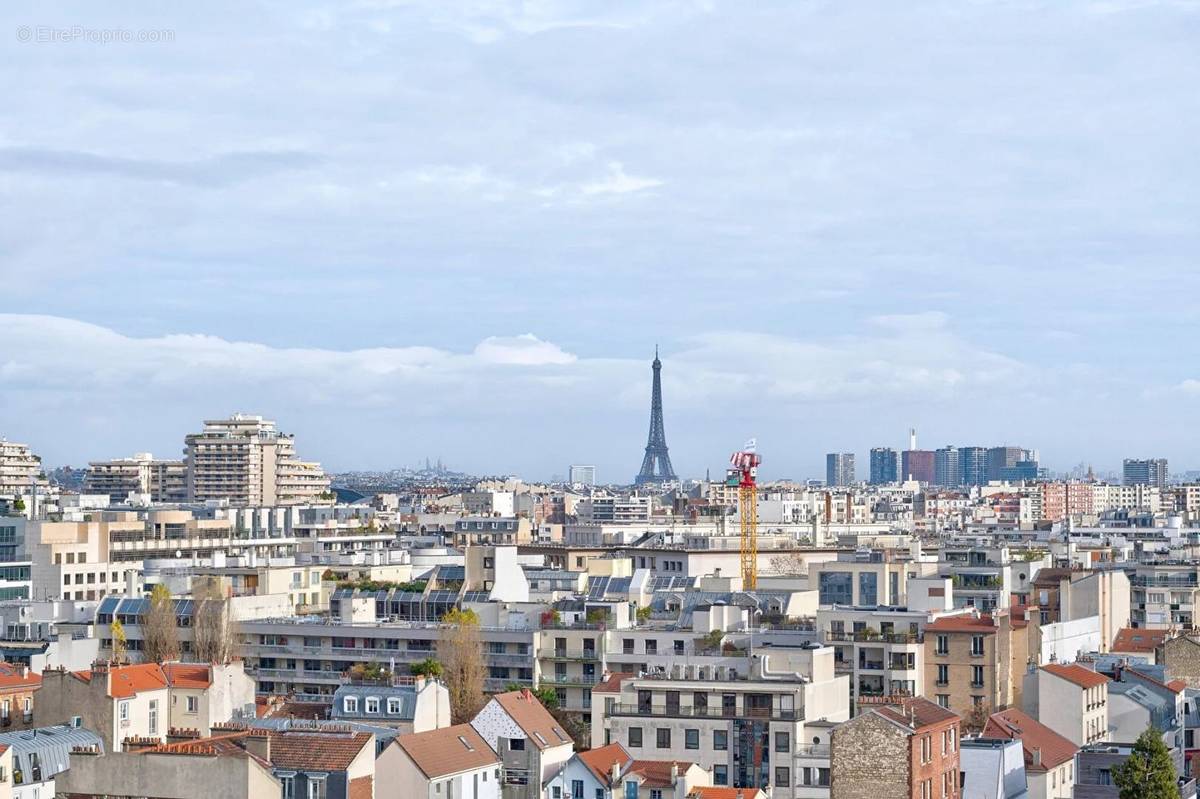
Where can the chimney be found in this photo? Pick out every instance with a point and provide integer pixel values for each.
(1037, 755)
(258, 743)
(614, 774)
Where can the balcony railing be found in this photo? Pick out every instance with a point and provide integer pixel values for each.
(875, 637)
(569, 654)
(705, 712)
(567, 679)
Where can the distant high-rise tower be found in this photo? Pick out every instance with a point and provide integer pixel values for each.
(1148, 472)
(656, 465)
(581, 475)
(946, 468)
(839, 469)
(885, 465)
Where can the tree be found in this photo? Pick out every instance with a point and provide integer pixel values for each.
(1148, 772)
(119, 642)
(429, 667)
(18, 505)
(159, 634)
(214, 639)
(462, 663)
(370, 672)
(977, 718)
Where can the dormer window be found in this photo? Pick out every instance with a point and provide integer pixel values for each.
(393, 706)
(350, 704)
(372, 704)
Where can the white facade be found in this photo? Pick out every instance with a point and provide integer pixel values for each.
(1064, 640)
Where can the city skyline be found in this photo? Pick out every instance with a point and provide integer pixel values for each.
(838, 221)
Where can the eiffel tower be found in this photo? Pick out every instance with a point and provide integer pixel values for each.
(656, 466)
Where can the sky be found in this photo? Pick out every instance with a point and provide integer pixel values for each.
(459, 229)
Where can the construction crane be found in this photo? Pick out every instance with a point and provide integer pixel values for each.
(742, 473)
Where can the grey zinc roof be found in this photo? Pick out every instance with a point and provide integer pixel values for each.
(406, 695)
(52, 745)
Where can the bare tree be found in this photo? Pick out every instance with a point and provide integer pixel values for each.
(160, 636)
(461, 653)
(214, 638)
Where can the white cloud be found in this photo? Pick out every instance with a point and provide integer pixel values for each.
(617, 181)
(523, 350)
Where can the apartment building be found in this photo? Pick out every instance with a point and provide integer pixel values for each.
(135, 704)
(752, 731)
(246, 460)
(1070, 699)
(881, 649)
(90, 559)
(160, 480)
(1145, 471)
(1164, 594)
(1049, 757)
(20, 469)
(839, 469)
(1071, 594)
(983, 577)
(861, 579)
(530, 744)
(900, 748)
(408, 704)
(18, 689)
(492, 530)
(974, 661)
(16, 581)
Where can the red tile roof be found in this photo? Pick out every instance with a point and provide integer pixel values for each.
(450, 750)
(601, 760)
(657, 773)
(914, 712)
(540, 727)
(612, 683)
(188, 675)
(127, 681)
(1133, 639)
(1073, 672)
(11, 678)
(720, 792)
(311, 750)
(1015, 725)
(962, 623)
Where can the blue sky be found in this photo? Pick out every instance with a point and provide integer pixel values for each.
(458, 229)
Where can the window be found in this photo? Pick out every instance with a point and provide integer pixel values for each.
(152, 720)
(691, 739)
(372, 704)
(720, 740)
(289, 787)
(943, 645)
(720, 775)
(393, 705)
(123, 711)
(193, 704)
(316, 787)
(783, 742)
(655, 793)
(350, 704)
(516, 744)
(783, 776)
(926, 749)
(977, 676)
(662, 738)
(635, 737)
(555, 792)
(576, 789)
(977, 646)
(943, 674)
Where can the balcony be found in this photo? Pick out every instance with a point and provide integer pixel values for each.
(685, 712)
(568, 679)
(568, 654)
(874, 637)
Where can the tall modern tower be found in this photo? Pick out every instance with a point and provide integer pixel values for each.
(656, 466)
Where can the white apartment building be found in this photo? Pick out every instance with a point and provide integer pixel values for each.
(746, 732)
(161, 480)
(1070, 699)
(244, 459)
(881, 650)
(19, 469)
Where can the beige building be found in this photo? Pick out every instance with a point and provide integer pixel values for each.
(136, 704)
(247, 461)
(181, 773)
(161, 480)
(974, 661)
(19, 469)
